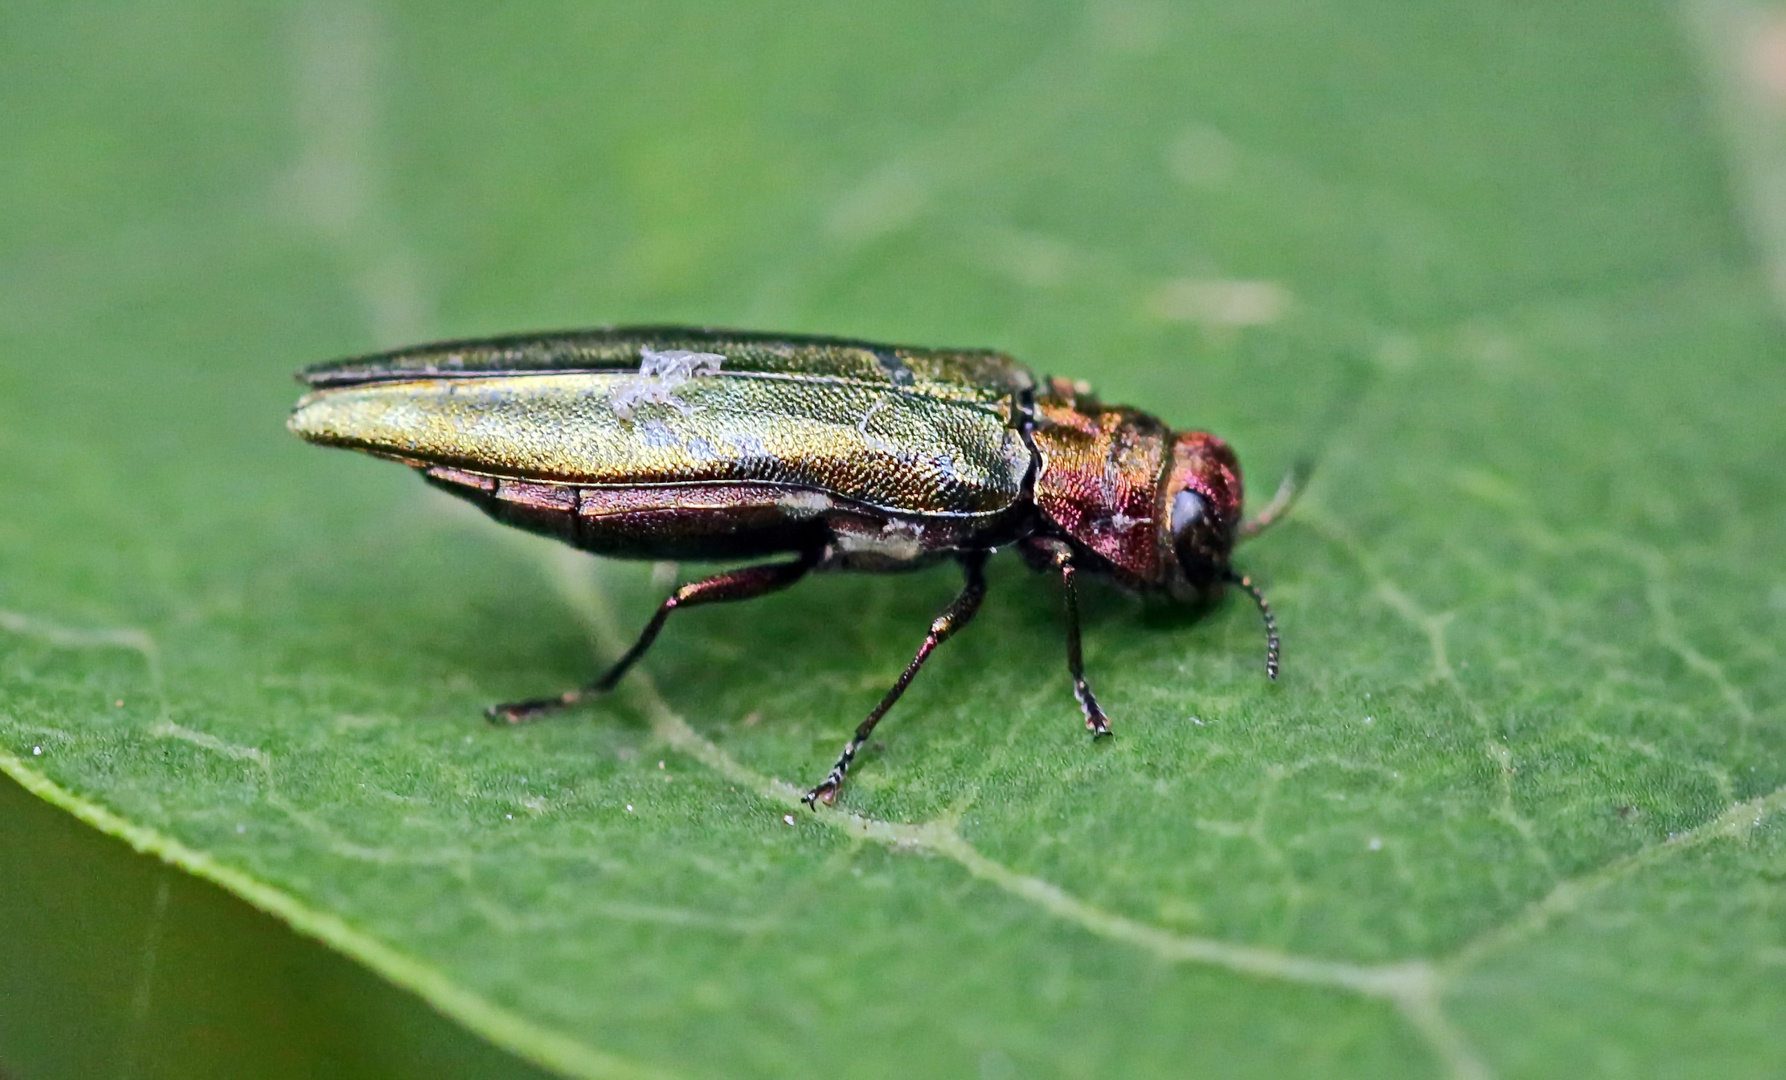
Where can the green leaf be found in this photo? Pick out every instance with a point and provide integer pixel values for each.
(1511, 274)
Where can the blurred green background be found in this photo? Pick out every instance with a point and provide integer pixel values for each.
(1513, 273)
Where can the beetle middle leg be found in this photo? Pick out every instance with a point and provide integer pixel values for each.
(745, 583)
(957, 615)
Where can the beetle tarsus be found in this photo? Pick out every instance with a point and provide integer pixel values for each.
(1095, 720)
(520, 712)
(825, 793)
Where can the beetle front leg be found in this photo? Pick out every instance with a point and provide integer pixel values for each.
(1060, 556)
(745, 583)
(957, 615)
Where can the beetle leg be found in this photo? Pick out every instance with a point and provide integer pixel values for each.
(744, 583)
(957, 615)
(1059, 555)
(1095, 720)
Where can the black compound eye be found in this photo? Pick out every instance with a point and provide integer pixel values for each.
(1189, 511)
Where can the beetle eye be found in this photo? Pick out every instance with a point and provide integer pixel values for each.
(1189, 510)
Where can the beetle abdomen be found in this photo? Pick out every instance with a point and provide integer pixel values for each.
(712, 521)
(659, 521)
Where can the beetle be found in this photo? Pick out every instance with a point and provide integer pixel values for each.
(674, 443)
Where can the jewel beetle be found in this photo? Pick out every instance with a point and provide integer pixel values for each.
(818, 453)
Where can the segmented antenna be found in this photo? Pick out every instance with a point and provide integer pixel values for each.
(1287, 491)
(1271, 649)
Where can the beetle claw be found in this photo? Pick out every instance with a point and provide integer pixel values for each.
(825, 793)
(519, 712)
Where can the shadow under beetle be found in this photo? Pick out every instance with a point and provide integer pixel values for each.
(667, 442)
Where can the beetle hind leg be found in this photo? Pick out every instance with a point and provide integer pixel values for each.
(958, 614)
(745, 583)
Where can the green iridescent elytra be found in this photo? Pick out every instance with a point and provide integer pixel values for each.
(683, 443)
(910, 431)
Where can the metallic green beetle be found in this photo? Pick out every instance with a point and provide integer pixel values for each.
(668, 442)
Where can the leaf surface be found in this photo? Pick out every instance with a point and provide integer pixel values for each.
(1517, 807)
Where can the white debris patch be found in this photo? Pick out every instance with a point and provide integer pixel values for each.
(660, 373)
(804, 503)
(898, 541)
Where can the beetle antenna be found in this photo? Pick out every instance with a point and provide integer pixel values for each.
(1288, 490)
(1271, 649)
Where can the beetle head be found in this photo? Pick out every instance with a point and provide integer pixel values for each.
(1202, 514)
